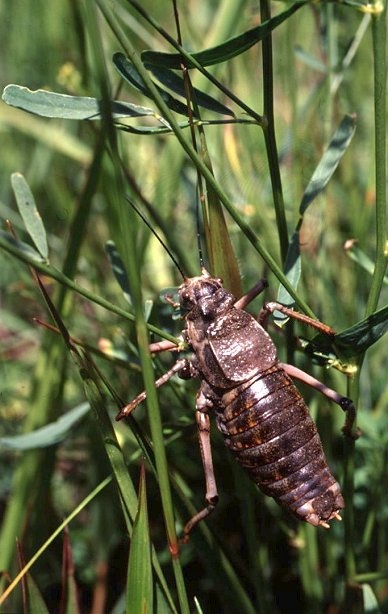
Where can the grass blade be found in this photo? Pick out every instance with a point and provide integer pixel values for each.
(139, 584)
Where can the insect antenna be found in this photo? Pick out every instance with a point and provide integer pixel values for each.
(159, 238)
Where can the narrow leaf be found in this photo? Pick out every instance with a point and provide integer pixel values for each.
(36, 604)
(225, 51)
(63, 106)
(358, 255)
(139, 584)
(320, 178)
(175, 83)
(292, 270)
(356, 339)
(118, 269)
(310, 60)
(329, 161)
(69, 586)
(131, 76)
(221, 253)
(47, 435)
(29, 212)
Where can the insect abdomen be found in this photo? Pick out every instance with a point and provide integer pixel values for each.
(268, 428)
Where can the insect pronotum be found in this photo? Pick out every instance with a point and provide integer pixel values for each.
(261, 414)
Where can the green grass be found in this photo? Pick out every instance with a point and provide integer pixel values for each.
(289, 94)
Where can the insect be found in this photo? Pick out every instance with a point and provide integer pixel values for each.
(261, 414)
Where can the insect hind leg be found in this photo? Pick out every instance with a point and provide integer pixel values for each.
(345, 403)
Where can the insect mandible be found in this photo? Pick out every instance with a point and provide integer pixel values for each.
(261, 414)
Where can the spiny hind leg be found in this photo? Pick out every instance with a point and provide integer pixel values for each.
(345, 403)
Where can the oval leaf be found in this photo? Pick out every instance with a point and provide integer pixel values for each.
(63, 106)
(29, 212)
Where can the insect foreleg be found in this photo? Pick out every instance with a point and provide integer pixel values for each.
(163, 346)
(344, 402)
(211, 496)
(180, 365)
(296, 315)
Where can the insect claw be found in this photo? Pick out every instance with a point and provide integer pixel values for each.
(337, 516)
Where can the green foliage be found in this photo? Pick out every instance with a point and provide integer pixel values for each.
(282, 117)
(139, 585)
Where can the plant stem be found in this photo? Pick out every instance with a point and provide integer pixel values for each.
(269, 134)
(379, 34)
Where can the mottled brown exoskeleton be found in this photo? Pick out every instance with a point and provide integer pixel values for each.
(262, 416)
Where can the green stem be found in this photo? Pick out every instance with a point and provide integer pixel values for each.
(379, 25)
(379, 33)
(373, 576)
(348, 490)
(269, 134)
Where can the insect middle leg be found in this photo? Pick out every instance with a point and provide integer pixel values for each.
(181, 366)
(203, 422)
